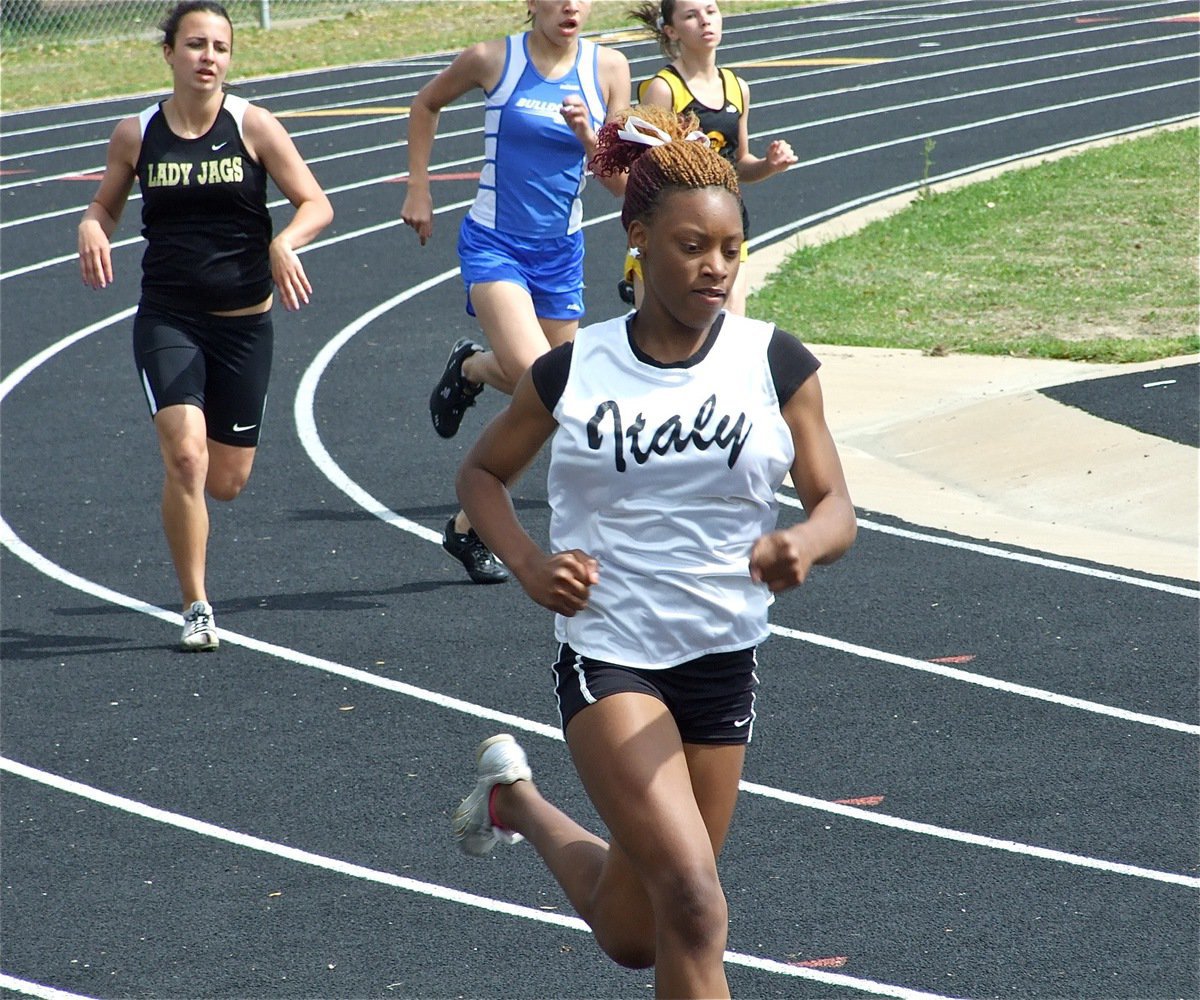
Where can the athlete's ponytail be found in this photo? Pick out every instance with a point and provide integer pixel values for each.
(655, 15)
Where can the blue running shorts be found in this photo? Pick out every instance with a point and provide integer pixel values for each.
(550, 270)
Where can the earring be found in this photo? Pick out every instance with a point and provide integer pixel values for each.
(635, 253)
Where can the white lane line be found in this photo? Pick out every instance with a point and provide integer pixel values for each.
(878, 111)
(983, 123)
(958, 836)
(304, 411)
(390, 177)
(429, 889)
(22, 371)
(58, 126)
(779, 231)
(311, 442)
(10, 540)
(902, 81)
(994, 551)
(353, 186)
(982, 680)
(826, 214)
(385, 115)
(26, 988)
(957, 72)
(55, 572)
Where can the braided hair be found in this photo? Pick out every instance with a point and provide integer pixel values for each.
(686, 162)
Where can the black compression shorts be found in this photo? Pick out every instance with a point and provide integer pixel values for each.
(221, 364)
(711, 697)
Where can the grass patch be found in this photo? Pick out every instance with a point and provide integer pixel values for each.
(1090, 258)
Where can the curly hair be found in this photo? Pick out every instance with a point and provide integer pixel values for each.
(686, 162)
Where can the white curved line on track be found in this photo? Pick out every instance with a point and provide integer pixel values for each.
(958, 71)
(417, 886)
(336, 865)
(773, 26)
(791, 227)
(404, 97)
(390, 177)
(46, 567)
(999, 553)
(28, 989)
(1015, 159)
(968, 677)
(808, 125)
(310, 439)
(305, 416)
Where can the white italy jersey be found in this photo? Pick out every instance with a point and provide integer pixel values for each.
(667, 475)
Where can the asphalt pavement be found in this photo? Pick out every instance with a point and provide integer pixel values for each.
(974, 766)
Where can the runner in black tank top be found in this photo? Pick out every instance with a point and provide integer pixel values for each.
(203, 333)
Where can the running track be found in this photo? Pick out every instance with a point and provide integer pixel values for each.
(974, 770)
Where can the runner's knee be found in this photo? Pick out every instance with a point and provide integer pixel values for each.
(690, 907)
(186, 463)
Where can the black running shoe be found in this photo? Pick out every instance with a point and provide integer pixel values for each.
(453, 393)
(468, 549)
(625, 291)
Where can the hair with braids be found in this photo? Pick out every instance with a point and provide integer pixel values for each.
(681, 164)
(170, 24)
(654, 14)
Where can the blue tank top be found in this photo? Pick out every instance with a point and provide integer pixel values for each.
(533, 172)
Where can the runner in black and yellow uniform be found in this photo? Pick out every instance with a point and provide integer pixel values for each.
(689, 32)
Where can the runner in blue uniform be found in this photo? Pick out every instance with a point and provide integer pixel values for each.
(672, 429)
(203, 335)
(547, 91)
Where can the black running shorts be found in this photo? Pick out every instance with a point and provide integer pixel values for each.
(221, 364)
(711, 697)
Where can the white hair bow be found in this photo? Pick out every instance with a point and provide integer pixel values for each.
(639, 130)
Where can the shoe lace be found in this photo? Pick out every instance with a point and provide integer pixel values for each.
(198, 621)
(476, 547)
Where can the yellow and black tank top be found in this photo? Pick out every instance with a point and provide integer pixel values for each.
(720, 124)
(204, 215)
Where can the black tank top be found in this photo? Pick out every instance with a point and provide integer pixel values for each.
(720, 124)
(204, 215)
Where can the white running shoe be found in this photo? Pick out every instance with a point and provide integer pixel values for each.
(498, 761)
(199, 629)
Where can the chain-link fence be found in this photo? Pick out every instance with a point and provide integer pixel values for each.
(49, 21)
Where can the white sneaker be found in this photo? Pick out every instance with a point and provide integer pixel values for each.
(199, 629)
(498, 761)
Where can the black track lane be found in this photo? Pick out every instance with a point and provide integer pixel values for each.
(309, 743)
